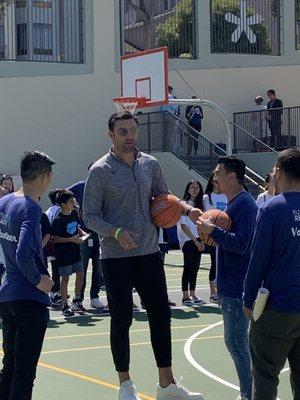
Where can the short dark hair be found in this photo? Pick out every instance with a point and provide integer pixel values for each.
(289, 161)
(271, 91)
(34, 164)
(63, 196)
(118, 116)
(236, 165)
(53, 195)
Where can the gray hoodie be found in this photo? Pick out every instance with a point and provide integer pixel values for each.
(117, 195)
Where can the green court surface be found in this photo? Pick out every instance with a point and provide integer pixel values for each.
(76, 361)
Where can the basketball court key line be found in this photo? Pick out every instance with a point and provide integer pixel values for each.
(195, 364)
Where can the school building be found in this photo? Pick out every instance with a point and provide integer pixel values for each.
(60, 68)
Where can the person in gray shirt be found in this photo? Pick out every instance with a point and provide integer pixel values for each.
(116, 205)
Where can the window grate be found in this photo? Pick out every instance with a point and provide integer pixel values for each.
(246, 26)
(43, 31)
(147, 24)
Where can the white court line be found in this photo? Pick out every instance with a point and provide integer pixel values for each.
(193, 362)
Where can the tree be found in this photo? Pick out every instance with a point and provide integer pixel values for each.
(146, 13)
(221, 31)
(4, 4)
(177, 31)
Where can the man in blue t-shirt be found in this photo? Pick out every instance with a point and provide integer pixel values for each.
(24, 296)
(232, 261)
(275, 265)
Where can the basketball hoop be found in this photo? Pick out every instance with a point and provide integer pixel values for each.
(129, 103)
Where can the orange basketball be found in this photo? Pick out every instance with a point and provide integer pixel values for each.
(165, 210)
(218, 218)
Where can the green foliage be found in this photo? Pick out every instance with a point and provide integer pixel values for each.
(222, 30)
(177, 31)
(4, 4)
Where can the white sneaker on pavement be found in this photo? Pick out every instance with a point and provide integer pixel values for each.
(97, 303)
(128, 391)
(175, 391)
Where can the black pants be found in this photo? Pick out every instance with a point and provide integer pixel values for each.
(55, 277)
(274, 338)
(191, 259)
(92, 253)
(213, 266)
(146, 274)
(24, 325)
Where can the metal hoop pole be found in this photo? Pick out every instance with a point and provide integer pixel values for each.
(218, 109)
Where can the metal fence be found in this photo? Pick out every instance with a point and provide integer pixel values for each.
(45, 30)
(153, 23)
(246, 26)
(278, 128)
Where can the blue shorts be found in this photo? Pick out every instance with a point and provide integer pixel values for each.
(68, 270)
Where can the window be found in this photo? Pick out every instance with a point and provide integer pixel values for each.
(44, 30)
(297, 15)
(21, 39)
(170, 23)
(245, 26)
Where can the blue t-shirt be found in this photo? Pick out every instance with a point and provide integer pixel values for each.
(275, 256)
(234, 246)
(21, 241)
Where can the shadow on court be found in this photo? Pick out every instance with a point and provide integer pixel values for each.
(209, 310)
(85, 321)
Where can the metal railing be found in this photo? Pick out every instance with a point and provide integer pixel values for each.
(46, 30)
(166, 132)
(277, 128)
(244, 140)
(154, 23)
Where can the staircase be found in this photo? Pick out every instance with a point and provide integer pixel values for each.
(166, 132)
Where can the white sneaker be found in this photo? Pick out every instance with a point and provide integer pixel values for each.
(128, 391)
(175, 391)
(240, 397)
(97, 303)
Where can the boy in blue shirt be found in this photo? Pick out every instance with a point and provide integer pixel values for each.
(275, 264)
(232, 260)
(67, 237)
(24, 298)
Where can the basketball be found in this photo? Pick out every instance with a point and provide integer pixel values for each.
(165, 210)
(218, 218)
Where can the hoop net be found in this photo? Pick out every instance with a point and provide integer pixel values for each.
(129, 103)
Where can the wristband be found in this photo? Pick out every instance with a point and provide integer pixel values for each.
(118, 230)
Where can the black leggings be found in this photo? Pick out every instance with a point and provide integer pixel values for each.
(146, 274)
(213, 267)
(191, 258)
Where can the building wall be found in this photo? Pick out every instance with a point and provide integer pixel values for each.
(63, 115)
(63, 109)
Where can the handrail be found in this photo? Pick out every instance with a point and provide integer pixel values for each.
(249, 170)
(254, 137)
(266, 110)
(199, 134)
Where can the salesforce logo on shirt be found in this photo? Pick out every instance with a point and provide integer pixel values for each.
(221, 205)
(72, 228)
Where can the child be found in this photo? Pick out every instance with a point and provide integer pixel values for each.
(67, 237)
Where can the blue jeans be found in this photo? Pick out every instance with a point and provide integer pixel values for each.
(236, 340)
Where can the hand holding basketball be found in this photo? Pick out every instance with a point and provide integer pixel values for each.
(207, 223)
(195, 214)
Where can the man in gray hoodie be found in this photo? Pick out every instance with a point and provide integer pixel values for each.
(116, 205)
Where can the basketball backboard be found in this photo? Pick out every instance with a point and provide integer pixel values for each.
(145, 74)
